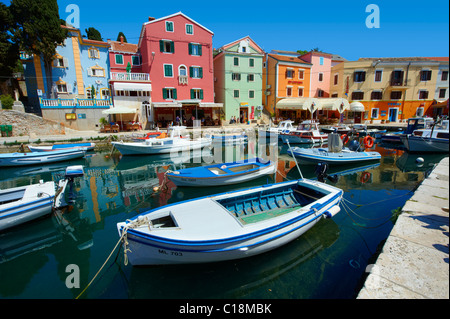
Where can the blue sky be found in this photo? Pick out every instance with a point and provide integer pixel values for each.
(407, 28)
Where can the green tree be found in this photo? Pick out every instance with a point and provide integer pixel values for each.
(38, 31)
(93, 34)
(123, 35)
(9, 50)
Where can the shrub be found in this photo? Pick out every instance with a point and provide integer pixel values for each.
(7, 101)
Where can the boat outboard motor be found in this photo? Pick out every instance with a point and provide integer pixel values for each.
(321, 172)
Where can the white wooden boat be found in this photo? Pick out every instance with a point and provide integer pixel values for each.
(228, 226)
(283, 126)
(429, 140)
(222, 173)
(79, 146)
(345, 156)
(22, 204)
(227, 138)
(306, 133)
(34, 158)
(161, 144)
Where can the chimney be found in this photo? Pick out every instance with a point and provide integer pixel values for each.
(121, 39)
(151, 18)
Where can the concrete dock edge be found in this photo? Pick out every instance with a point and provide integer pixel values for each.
(414, 262)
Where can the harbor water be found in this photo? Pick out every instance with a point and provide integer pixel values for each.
(37, 260)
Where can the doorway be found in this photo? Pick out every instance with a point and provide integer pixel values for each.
(393, 114)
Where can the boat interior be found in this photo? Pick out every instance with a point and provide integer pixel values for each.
(11, 196)
(233, 169)
(266, 204)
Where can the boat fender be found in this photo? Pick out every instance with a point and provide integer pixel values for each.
(332, 211)
(365, 177)
(368, 141)
(345, 138)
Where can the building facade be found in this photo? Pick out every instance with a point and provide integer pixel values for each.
(80, 77)
(286, 76)
(177, 51)
(320, 73)
(385, 89)
(238, 79)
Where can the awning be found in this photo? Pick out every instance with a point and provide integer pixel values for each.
(132, 86)
(211, 104)
(301, 103)
(119, 110)
(357, 107)
(167, 104)
(334, 104)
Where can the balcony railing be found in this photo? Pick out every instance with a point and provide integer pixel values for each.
(124, 76)
(71, 103)
(182, 79)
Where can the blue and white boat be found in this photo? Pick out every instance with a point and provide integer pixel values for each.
(228, 226)
(34, 158)
(228, 138)
(222, 173)
(345, 156)
(413, 124)
(79, 146)
(429, 140)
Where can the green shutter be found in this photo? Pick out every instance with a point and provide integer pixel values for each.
(190, 48)
(201, 94)
(192, 94)
(161, 45)
(164, 94)
(199, 49)
(172, 47)
(200, 73)
(191, 71)
(252, 62)
(174, 94)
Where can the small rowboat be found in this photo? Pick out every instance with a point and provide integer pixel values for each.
(223, 173)
(345, 156)
(228, 226)
(55, 147)
(227, 139)
(33, 158)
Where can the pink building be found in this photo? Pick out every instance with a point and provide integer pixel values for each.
(177, 53)
(320, 73)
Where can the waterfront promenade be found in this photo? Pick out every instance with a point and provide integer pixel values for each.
(414, 262)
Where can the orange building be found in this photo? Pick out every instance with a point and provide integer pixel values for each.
(285, 76)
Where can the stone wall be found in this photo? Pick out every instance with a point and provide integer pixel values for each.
(27, 124)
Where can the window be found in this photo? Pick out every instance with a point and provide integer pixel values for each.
(425, 75)
(169, 94)
(197, 94)
(444, 76)
(136, 60)
(236, 76)
(60, 62)
(89, 93)
(301, 74)
(166, 46)
(397, 78)
(423, 94)
(374, 114)
(442, 93)
(357, 95)
(94, 53)
(359, 76)
(182, 70)
(320, 93)
(376, 95)
(196, 72)
(169, 26)
(300, 92)
(236, 61)
(290, 73)
(251, 63)
(334, 95)
(320, 77)
(168, 70)
(420, 111)
(104, 93)
(96, 71)
(195, 49)
(289, 91)
(396, 95)
(236, 93)
(321, 60)
(251, 77)
(336, 79)
(119, 58)
(251, 94)
(378, 75)
(61, 88)
(189, 29)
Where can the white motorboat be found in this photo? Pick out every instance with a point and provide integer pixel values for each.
(55, 147)
(306, 133)
(433, 139)
(283, 126)
(33, 158)
(228, 226)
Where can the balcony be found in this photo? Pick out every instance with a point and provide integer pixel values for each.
(182, 79)
(73, 103)
(131, 77)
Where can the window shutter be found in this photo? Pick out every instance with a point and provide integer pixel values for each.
(161, 45)
(66, 62)
(190, 48)
(428, 77)
(164, 93)
(69, 88)
(55, 63)
(89, 71)
(172, 47)
(191, 71)
(199, 49)
(200, 73)
(192, 94)
(174, 94)
(201, 94)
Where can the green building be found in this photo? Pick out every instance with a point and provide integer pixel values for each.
(238, 79)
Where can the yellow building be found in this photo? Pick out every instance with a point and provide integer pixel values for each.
(385, 89)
